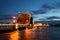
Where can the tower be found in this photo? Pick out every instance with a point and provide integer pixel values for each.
(31, 21)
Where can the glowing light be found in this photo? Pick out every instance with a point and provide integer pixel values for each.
(14, 35)
(14, 17)
(14, 21)
(16, 26)
(34, 25)
(38, 24)
(23, 18)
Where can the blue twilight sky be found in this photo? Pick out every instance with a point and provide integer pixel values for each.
(49, 8)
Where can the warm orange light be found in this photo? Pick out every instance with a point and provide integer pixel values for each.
(46, 24)
(38, 24)
(16, 26)
(14, 21)
(23, 18)
(14, 17)
(14, 35)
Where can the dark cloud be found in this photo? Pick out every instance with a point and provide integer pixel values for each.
(39, 12)
(53, 17)
(35, 17)
(49, 18)
(57, 5)
(50, 22)
(45, 8)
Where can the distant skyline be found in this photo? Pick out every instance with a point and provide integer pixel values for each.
(41, 9)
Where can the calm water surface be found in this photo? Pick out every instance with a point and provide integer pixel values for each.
(40, 33)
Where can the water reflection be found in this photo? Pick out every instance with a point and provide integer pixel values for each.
(29, 34)
(14, 35)
(37, 33)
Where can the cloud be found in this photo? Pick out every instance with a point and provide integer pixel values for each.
(35, 17)
(39, 12)
(53, 17)
(45, 8)
(57, 4)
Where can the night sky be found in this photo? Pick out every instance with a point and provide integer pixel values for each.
(40, 9)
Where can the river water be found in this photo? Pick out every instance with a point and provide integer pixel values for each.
(37, 33)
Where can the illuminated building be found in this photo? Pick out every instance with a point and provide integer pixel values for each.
(25, 19)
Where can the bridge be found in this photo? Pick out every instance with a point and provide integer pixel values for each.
(12, 26)
(21, 21)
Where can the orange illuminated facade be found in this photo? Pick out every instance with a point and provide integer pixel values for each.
(23, 18)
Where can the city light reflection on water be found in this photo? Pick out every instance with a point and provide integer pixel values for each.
(38, 33)
(14, 35)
